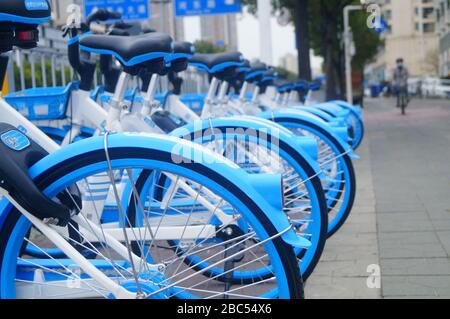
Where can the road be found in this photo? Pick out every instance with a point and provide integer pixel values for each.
(401, 219)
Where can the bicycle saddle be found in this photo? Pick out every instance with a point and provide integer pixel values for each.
(315, 86)
(18, 22)
(178, 61)
(269, 75)
(301, 84)
(256, 72)
(25, 11)
(217, 62)
(129, 51)
(283, 86)
(245, 67)
(182, 50)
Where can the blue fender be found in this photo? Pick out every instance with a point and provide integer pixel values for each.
(307, 143)
(333, 109)
(310, 121)
(269, 185)
(316, 111)
(257, 127)
(355, 109)
(181, 151)
(334, 124)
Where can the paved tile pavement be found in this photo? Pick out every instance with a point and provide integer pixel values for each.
(401, 219)
(342, 271)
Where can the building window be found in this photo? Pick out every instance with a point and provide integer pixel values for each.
(428, 13)
(428, 27)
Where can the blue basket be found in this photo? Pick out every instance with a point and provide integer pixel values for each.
(106, 97)
(42, 103)
(194, 101)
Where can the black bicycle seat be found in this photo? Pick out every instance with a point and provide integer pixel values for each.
(25, 11)
(256, 72)
(129, 51)
(283, 85)
(179, 59)
(183, 48)
(18, 22)
(245, 67)
(217, 62)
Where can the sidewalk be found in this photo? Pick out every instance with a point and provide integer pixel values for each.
(411, 167)
(401, 218)
(342, 271)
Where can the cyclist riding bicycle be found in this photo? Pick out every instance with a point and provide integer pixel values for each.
(400, 83)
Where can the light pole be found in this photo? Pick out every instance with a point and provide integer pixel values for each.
(348, 44)
(422, 36)
(265, 31)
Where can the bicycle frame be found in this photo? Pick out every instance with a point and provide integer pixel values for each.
(9, 115)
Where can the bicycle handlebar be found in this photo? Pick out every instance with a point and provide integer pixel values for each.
(102, 15)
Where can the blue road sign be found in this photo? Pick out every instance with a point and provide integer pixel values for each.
(206, 7)
(130, 9)
(382, 27)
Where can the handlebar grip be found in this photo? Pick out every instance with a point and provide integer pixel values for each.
(102, 15)
(115, 15)
(98, 28)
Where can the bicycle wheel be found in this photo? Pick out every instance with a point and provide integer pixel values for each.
(403, 102)
(356, 123)
(334, 160)
(260, 146)
(221, 202)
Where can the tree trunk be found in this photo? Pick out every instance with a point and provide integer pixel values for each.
(330, 39)
(302, 38)
(340, 73)
(330, 74)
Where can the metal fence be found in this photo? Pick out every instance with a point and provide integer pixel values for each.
(42, 67)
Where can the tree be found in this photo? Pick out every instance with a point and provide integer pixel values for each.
(285, 73)
(299, 16)
(326, 29)
(432, 62)
(202, 46)
(319, 25)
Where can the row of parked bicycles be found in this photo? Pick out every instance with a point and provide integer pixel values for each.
(122, 191)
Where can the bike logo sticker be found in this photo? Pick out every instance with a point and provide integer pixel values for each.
(33, 5)
(15, 140)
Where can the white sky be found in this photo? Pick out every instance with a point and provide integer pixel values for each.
(283, 38)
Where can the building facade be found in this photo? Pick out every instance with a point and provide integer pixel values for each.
(412, 36)
(443, 31)
(162, 17)
(59, 10)
(221, 30)
(289, 62)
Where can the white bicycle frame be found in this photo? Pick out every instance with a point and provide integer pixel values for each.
(212, 102)
(114, 236)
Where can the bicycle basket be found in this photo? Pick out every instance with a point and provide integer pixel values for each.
(42, 103)
(194, 101)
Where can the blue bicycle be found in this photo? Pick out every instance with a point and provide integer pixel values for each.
(209, 209)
